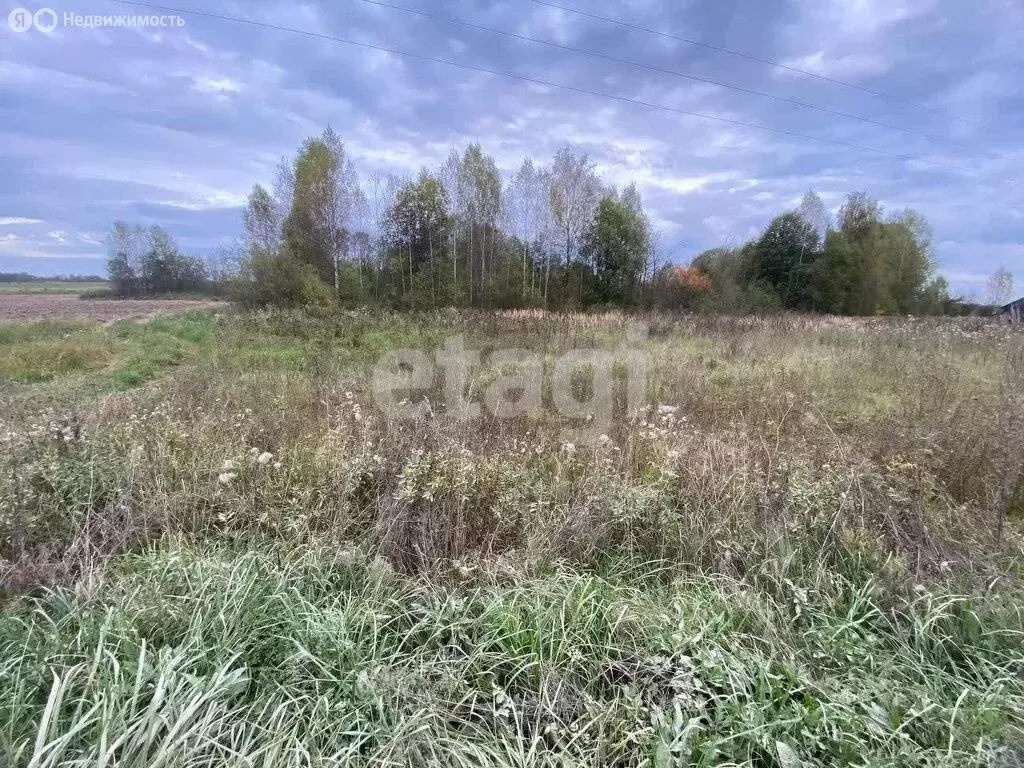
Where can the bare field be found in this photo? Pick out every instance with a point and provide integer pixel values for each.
(29, 307)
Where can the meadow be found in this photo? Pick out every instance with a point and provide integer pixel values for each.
(804, 551)
(37, 287)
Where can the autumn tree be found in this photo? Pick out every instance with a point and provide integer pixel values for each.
(126, 244)
(553, 237)
(325, 194)
(574, 192)
(260, 222)
(1000, 287)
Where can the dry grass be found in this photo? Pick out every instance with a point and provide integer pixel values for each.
(801, 462)
(895, 435)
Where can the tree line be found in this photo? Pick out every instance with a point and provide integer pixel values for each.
(25, 277)
(862, 263)
(552, 236)
(147, 262)
(459, 235)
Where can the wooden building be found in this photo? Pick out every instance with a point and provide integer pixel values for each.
(1014, 311)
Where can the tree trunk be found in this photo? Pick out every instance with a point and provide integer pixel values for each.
(524, 273)
(433, 281)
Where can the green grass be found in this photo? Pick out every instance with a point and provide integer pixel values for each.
(124, 354)
(216, 550)
(49, 287)
(45, 360)
(15, 333)
(249, 654)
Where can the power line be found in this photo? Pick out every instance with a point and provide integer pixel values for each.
(748, 57)
(662, 70)
(537, 81)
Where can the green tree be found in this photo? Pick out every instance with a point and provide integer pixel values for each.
(836, 279)
(874, 265)
(858, 216)
(615, 248)
(260, 221)
(278, 279)
(306, 230)
(862, 266)
(784, 255)
(158, 262)
(415, 230)
(906, 252)
(325, 195)
(934, 299)
(166, 270)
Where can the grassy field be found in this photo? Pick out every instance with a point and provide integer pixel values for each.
(218, 551)
(49, 286)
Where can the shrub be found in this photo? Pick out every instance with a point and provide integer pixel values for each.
(279, 280)
(97, 293)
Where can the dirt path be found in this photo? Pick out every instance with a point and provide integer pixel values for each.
(30, 308)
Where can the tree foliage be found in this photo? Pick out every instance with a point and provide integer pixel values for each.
(555, 236)
(784, 257)
(148, 262)
(615, 248)
(1000, 287)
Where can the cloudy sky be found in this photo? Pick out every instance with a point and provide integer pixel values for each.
(174, 125)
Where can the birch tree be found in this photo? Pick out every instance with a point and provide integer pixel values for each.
(480, 187)
(283, 190)
(528, 204)
(325, 194)
(260, 222)
(813, 211)
(574, 194)
(342, 198)
(1000, 287)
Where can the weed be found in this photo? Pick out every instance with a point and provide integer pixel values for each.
(217, 550)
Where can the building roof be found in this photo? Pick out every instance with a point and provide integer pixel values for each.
(1019, 301)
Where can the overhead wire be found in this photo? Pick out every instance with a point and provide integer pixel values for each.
(545, 83)
(749, 57)
(662, 70)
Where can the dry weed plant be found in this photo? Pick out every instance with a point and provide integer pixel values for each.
(804, 551)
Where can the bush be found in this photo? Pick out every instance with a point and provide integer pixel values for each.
(98, 293)
(279, 280)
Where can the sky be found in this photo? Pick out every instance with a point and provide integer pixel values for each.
(173, 125)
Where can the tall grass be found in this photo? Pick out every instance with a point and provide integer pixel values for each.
(246, 654)
(217, 551)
